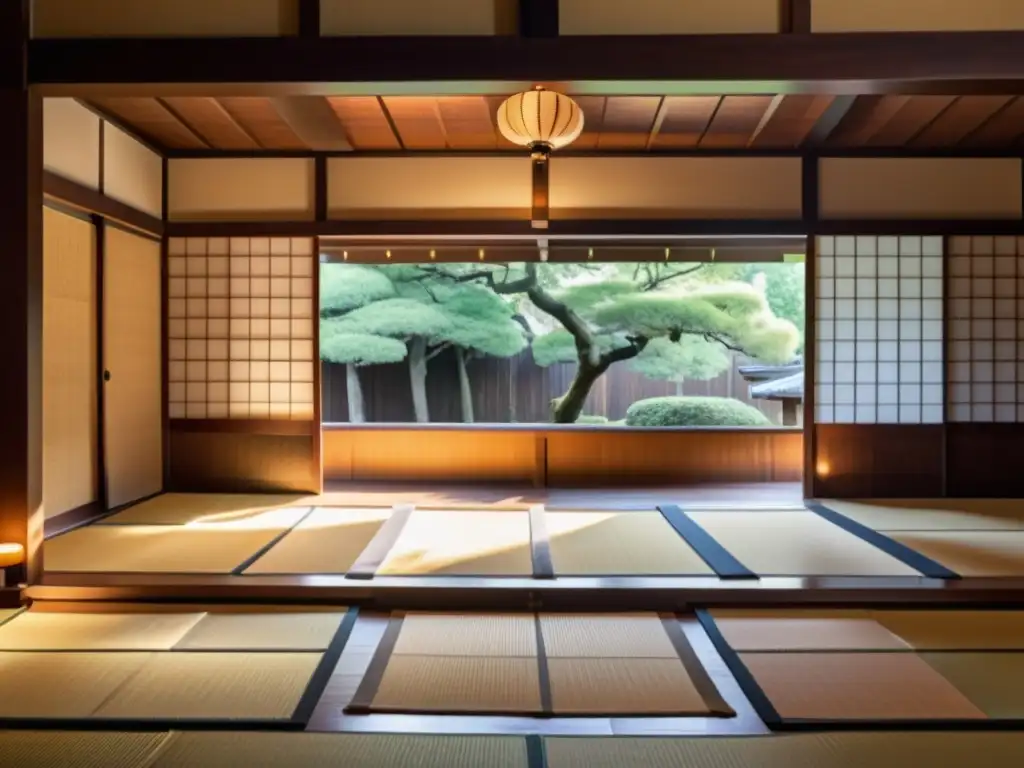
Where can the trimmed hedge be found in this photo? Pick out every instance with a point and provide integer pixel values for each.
(694, 412)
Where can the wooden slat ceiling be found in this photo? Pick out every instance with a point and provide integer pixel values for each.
(613, 123)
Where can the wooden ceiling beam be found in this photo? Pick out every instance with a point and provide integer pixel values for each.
(829, 120)
(822, 63)
(313, 121)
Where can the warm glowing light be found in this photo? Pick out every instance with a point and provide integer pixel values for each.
(344, 255)
(590, 253)
(11, 554)
(433, 255)
(541, 120)
(668, 252)
(387, 254)
(481, 254)
(823, 469)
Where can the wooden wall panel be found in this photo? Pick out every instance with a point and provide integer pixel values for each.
(684, 187)
(879, 461)
(132, 173)
(71, 141)
(416, 17)
(154, 18)
(70, 428)
(429, 187)
(562, 457)
(915, 15)
(698, 456)
(240, 189)
(917, 188)
(983, 460)
(666, 17)
(238, 462)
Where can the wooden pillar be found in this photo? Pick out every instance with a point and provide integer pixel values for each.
(21, 291)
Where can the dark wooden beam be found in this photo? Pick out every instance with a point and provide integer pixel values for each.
(795, 16)
(827, 123)
(91, 201)
(607, 229)
(313, 121)
(320, 189)
(21, 303)
(309, 18)
(538, 18)
(243, 426)
(759, 63)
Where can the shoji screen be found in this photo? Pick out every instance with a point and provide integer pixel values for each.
(240, 327)
(986, 307)
(879, 330)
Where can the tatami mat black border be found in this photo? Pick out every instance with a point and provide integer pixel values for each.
(536, 752)
(699, 676)
(755, 695)
(710, 550)
(238, 570)
(540, 544)
(376, 552)
(362, 700)
(322, 674)
(924, 565)
(543, 671)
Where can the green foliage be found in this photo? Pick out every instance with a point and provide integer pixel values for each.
(359, 348)
(694, 412)
(692, 357)
(482, 321)
(397, 319)
(784, 290)
(344, 287)
(583, 297)
(588, 418)
(559, 346)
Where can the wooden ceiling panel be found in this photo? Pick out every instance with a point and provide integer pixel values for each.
(258, 116)
(866, 117)
(593, 120)
(911, 119)
(683, 121)
(962, 117)
(208, 118)
(468, 122)
(418, 121)
(1004, 128)
(735, 122)
(152, 119)
(363, 120)
(791, 121)
(628, 121)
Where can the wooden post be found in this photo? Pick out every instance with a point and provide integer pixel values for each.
(21, 305)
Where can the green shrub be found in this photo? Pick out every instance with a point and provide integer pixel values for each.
(591, 419)
(694, 412)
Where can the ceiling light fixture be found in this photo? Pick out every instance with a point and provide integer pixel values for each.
(542, 121)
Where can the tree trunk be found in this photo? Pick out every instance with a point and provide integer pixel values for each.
(570, 406)
(465, 393)
(679, 387)
(356, 412)
(418, 378)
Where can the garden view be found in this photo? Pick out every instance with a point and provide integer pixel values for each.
(640, 344)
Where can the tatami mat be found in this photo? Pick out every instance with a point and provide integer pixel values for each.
(264, 631)
(609, 635)
(462, 543)
(37, 631)
(466, 684)
(796, 630)
(62, 685)
(204, 508)
(157, 548)
(229, 686)
(826, 750)
(619, 543)
(994, 682)
(624, 687)
(328, 541)
(971, 553)
(933, 515)
(956, 630)
(453, 634)
(298, 750)
(856, 686)
(797, 544)
(78, 749)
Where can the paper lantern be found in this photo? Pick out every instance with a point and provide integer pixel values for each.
(542, 121)
(10, 554)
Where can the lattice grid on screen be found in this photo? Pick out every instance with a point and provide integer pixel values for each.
(986, 325)
(240, 316)
(879, 330)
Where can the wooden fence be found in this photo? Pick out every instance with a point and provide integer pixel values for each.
(513, 390)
